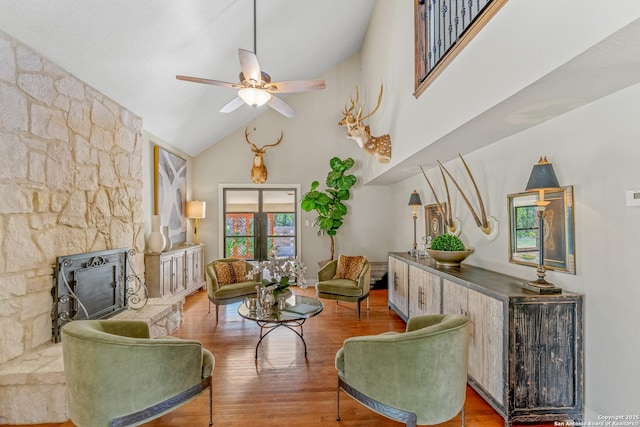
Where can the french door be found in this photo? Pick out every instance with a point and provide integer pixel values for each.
(260, 223)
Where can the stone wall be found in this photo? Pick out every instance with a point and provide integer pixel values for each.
(70, 182)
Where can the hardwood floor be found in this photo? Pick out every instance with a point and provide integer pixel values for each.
(283, 388)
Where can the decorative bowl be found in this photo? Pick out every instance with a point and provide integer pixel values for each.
(449, 258)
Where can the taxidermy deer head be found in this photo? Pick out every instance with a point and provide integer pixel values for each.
(259, 170)
(488, 225)
(377, 146)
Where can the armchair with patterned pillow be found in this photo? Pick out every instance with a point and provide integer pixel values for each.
(227, 282)
(345, 279)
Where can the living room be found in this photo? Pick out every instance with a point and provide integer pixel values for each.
(542, 79)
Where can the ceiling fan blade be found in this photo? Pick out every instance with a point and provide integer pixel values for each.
(295, 86)
(207, 81)
(232, 105)
(249, 65)
(281, 107)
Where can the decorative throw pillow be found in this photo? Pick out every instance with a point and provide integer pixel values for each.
(349, 267)
(230, 272)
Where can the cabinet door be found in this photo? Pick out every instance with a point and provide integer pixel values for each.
(424, 292)
(544, 339)
(190, 264)
(454, 298)
(486, 357)
(198, 268)
(398, 288)
(179, 278)
(166, 275)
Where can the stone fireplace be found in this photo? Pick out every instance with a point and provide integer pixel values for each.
(71, 182)
(91, 285)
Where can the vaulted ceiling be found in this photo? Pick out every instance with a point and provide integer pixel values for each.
(131, 51)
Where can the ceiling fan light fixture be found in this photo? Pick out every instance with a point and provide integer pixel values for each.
(254, 96)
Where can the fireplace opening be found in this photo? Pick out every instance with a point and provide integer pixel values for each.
(90, 285)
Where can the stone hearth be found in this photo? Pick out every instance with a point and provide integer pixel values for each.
(32, 386)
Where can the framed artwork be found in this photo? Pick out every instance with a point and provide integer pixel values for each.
(170, 196)
(559, 245)
(433, 221)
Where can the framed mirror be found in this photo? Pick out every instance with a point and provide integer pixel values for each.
(559, 245)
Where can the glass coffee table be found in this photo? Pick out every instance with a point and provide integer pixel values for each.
(298, 309)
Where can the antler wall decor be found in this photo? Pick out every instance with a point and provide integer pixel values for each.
(452, 224)
(377, 146)
(487, 224)
(258, 169)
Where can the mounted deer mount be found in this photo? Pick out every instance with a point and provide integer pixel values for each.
(487, 224)
(258, 169)
(451, 223)
(377, 146)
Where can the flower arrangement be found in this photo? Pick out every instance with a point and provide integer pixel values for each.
(281, 272)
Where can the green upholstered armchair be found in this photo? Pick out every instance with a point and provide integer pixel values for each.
(228, 294)
(117, 376)
(343, 289)
(418, 377)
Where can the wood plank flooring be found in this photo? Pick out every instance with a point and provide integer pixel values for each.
(283, 388)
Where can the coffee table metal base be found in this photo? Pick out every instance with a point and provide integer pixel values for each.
(270, 327)
(275, 318)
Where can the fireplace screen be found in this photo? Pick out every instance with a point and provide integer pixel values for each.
(91, 285)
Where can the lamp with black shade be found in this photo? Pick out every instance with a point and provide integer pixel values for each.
(195, 209)
(414, 201)
(543, 178)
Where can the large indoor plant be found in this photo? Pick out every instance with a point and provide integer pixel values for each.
(329, 203)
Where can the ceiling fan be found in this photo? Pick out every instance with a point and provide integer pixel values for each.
(256, 87)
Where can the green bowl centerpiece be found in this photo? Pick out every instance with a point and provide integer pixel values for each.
(448, 250)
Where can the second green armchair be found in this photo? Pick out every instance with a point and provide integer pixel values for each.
(344, 289)
(234, 292)
(419, 376)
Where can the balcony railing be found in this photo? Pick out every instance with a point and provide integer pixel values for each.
(442, 29)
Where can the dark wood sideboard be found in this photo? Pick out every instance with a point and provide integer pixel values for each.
(526, 350)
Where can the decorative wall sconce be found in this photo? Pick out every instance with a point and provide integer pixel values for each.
(543, 178)
(414, 201)
(196, 209)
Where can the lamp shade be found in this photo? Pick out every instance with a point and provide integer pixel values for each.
(415, 199)
(254, 96)
(196, 209)
(543, 177)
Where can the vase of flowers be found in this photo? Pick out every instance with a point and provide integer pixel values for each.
(280, 273)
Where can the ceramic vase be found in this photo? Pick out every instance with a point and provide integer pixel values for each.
(167, 238)
(156, 241)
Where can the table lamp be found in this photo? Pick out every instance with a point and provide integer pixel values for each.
(543, 178)
(415, 201)
(195, 209)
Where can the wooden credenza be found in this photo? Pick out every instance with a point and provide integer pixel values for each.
(525, 353)
(178, 271)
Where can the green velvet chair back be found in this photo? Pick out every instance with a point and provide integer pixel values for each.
(116, 375)
(343, 289)
(422, 371)
(228, 294)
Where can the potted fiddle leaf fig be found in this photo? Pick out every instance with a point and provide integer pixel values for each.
(329, 203)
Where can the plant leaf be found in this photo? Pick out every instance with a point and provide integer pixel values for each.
(348, 163)
(308, 204)
(336, 164)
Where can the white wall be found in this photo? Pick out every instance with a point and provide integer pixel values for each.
(593, 148)
(310, 140)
